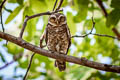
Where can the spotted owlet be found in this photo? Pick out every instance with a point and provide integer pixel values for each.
(57, 37)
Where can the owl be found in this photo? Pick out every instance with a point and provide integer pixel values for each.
(57, 37)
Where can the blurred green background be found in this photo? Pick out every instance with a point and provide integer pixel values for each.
(78, 13)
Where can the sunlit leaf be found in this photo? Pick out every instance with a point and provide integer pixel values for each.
(71, 23)
(12, 1)
(14, 49)
(31, 24)
(38, 6)
(13, 14)
(82, 7)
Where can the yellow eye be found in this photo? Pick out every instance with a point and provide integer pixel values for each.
(52, 19)
(62, 19)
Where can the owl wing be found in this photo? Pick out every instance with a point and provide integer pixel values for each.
(43, 37)
(46, 34)
(69, 38)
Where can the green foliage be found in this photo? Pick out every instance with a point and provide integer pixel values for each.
(31, 24)
(72, 24)
(113, 18)
(14, 49)
(90, 47)
(14, 14)
(82, 8)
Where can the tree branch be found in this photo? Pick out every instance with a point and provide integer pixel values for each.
(25, 77)
(106, 14)
(55, 55)
(33, 16)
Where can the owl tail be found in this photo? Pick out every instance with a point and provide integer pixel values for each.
(60, 64)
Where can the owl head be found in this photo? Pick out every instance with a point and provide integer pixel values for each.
(57, 19)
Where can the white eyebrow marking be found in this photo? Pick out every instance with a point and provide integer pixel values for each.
(61, 16)
(53, 16)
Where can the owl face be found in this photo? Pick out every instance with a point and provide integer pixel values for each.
(57, 19)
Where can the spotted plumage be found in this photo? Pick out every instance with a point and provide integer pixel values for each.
(57, 37)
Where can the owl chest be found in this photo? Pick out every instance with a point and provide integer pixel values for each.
(56, 35)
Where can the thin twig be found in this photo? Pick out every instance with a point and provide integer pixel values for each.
(29, 66)
(33, 16)
(1, 6)
(11, 62)
(87, 33)
(104, 35)
(90, 33)
(55, 5)
(15, 58)
(59, 5)
(2, 22)
(55, 55)
(102, 7)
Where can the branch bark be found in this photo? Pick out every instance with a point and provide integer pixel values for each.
(55, 55)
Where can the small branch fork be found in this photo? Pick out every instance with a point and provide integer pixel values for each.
(90, 33)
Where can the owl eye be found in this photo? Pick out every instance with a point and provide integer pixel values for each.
(62, 19)
(52, 19)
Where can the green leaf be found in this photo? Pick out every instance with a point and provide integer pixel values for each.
(0, 1)
(113, 18)
(82, 7)
(31, 24)
(20, 1)
(71, 23)
(85, 72)
(13, 14)
(12, 1)
(88, 23)
(115, 4)
(2, 57)
(14, 49)
(38, 6)
(101, 27)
